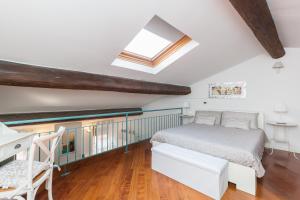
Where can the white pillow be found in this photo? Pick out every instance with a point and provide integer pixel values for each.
(236, 123)
(252, 117)
(206, 120)
(203, 113)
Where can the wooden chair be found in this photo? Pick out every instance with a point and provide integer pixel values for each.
(21, 177)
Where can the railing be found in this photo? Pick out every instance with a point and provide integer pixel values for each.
(80, 142)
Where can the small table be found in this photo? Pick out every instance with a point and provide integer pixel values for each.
(13, 143)
(284, 140)
(186, 117)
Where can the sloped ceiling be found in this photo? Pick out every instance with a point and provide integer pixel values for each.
(87, 35)
(24, 100)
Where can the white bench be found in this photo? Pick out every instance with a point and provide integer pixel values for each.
(202, 172)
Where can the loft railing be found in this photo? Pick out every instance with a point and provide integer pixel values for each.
(119, 130)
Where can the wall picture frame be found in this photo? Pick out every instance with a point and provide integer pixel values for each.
(71, 137)
(228, 90)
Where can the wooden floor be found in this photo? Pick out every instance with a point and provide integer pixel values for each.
(117, 176)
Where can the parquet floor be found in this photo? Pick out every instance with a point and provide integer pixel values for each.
(120, 176)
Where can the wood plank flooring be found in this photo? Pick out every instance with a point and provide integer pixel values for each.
(121, 176)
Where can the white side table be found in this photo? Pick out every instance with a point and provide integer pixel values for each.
(186, 118)
(280, 128)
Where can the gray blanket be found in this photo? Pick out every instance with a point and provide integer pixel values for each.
(244, 147)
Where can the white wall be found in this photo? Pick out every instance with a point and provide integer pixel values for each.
(265, 88)
(28, 100)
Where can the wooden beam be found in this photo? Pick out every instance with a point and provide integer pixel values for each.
(15, 74)
(257, 15)
(45, 115)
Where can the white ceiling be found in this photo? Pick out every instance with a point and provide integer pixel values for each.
(286, 15)
(88, 35)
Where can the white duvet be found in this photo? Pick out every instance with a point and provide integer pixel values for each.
(244, 147)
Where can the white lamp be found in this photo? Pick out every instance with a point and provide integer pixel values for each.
(186, 106)
(278, 66)
(280, 108)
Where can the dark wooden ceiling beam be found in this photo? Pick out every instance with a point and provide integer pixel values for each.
(257, 15)
(15, 74)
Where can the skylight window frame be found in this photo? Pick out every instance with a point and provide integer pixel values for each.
(157, 59)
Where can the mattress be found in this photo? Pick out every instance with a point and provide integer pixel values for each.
(244, 147)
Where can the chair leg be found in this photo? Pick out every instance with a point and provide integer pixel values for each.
(30, 195)
(50, 197)
(46, 185)
(49, 187)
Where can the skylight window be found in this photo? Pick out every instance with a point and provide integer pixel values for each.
(155, 47)
(147, 44)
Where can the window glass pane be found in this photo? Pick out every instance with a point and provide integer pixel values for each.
(147, 44)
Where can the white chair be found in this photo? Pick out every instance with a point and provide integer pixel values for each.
(21, 177)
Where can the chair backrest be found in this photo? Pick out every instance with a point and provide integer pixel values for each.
(52, 139)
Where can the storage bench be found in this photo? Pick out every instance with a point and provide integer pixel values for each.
(202, 172)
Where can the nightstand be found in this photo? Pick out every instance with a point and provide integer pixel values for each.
(186, 118)
(280, 128)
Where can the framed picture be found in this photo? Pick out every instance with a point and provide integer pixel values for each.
(227, 90)
(68, 141)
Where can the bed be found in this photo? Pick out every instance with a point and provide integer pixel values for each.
(242, 148)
